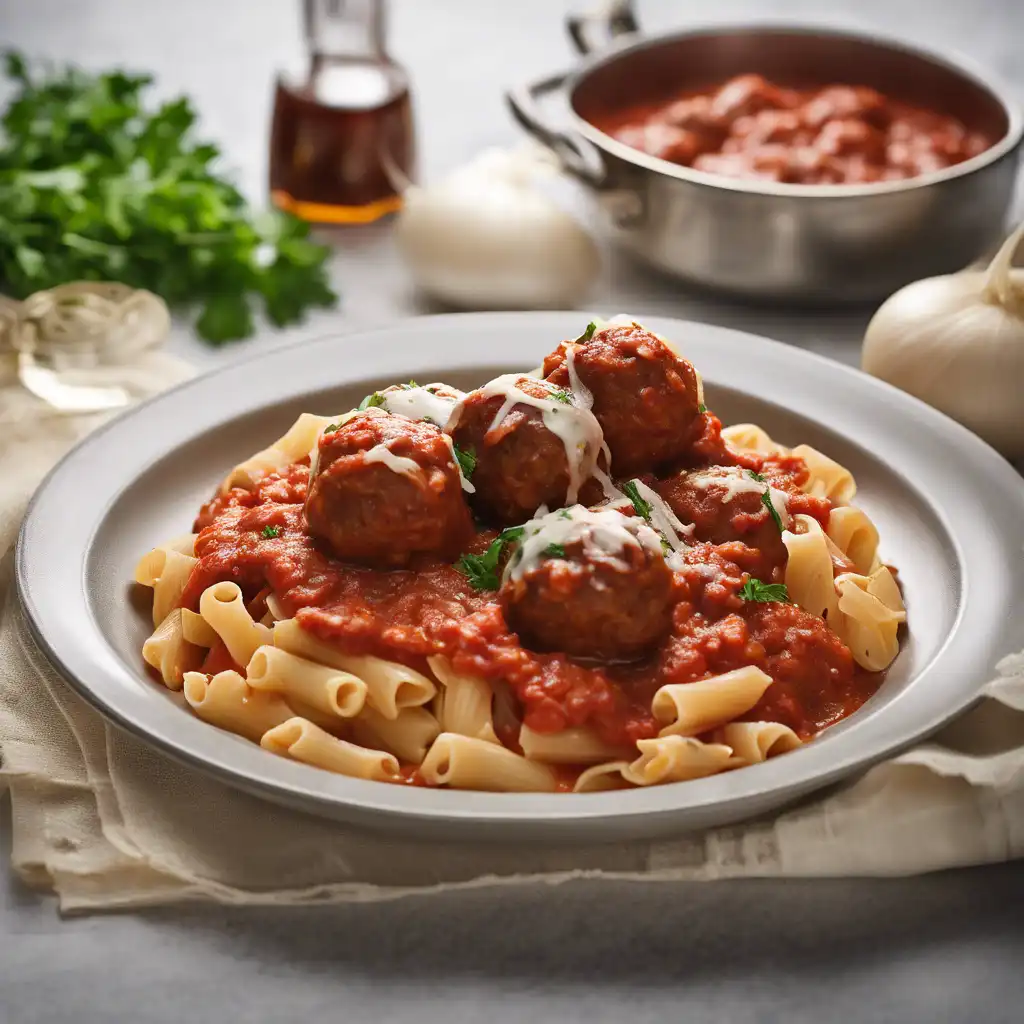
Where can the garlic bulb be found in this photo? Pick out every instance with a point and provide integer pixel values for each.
(487, 237)
(957, 342)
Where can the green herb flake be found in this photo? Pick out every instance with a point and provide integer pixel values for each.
(589, 332)
(757, 476)
(270, 532)
(565, 514)
(641, 505)
(98, 183)
(555, 551)
(482, 570)
(331, 428)
(374, 401)
(766, 500)
(560, 395)
(702, 408)
(755, 590)
(466, 458)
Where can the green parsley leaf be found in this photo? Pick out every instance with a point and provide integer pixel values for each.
(408, 387)
(564, 514)
(702, 408)
(331, 428)
(589, 332)
(755, 590)
(270, 532)
(555, 551)
(482, 570)
(641, 505)
(560, 395)
(371, 401)
(98, 183)
(467, 460)
(757, 476)
(766, 500)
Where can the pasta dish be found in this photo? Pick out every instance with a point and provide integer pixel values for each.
(570, 580)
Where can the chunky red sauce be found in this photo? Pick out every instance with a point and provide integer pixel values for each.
(836, 134)
(430, 608)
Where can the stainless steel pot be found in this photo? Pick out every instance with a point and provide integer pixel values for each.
(787, 243)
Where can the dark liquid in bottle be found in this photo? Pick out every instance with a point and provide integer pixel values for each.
(341, 146)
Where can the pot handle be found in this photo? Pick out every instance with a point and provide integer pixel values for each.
(578, 156)
(600, 28)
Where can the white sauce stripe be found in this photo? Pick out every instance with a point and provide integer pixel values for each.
(432, 402)
(603, 534)
(396, 463)
(663, 519)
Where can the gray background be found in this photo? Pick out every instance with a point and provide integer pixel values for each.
(933, 949)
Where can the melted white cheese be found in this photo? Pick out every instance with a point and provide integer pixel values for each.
(466, 485)
(577, 428)
(582, 395)
(663, 519)
(396, 463)
(431, 402)
(734, 480)
(603, 534)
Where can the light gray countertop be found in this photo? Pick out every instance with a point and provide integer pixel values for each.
(933, 949)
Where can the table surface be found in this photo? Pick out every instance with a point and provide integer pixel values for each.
(934, 949)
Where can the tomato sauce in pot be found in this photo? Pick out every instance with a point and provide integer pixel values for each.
(837, 134)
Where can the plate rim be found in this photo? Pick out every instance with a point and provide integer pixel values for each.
(653, 811)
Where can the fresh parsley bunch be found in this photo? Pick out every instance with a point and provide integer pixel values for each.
(93, 186)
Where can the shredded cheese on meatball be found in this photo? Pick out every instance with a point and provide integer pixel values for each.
(603, 534)
(733, 480)
(432, 403)
(396, 463)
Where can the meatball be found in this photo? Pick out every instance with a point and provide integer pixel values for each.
(532, 444)
(727, 503)
(591, 584)
(646, 398)
(384, 488)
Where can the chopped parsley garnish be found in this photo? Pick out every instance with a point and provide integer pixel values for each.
(371, 401)
(270, 532)
(766, 500)
(555, 551)
(642, 507)
(482, 570)
(757, 476)
(589, 332)
(702, 408)
(407, 387)
(331, 428)
(755, 590)
(559, 395)
(466, 458)
(428, 419)
(565, 514)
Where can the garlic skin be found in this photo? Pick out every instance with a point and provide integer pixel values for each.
(486, 237)
(957, 343)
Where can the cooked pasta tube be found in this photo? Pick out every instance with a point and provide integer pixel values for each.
(856, 537)
(294, 445)
(754, 742)
(871, 612)
(227, 701)
(390, 686)
(809, 579)
(303, 741)
(408, 736)
(750, 437)
(463, 762)
(466, 702)
(196, 629)
(166, 570)
(570, 746)
(688, 709)
(170, 653)
(223, 607)
(149, 567)
(661, 760)
(828, 479)
(329, 690)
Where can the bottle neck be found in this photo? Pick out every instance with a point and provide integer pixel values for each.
(344, 29)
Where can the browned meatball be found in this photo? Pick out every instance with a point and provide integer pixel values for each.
(646, 398)
(385, 488)
(726, 503)
(611, 604)
(522, 460)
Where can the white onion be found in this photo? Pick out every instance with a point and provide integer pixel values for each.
(957, 343)
(486, 237)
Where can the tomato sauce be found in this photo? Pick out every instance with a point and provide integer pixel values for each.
(258, 539)
(751, 128)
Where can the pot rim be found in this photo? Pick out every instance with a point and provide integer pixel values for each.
(961, 66)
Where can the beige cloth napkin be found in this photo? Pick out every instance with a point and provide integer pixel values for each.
(106, 822)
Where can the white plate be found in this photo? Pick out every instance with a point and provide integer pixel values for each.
(950, 512)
